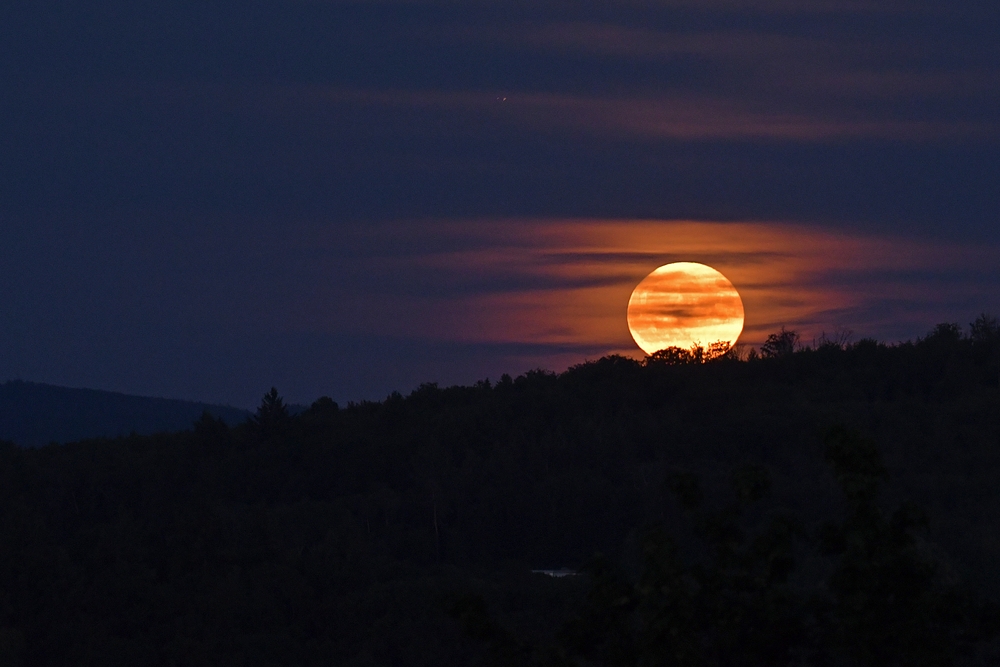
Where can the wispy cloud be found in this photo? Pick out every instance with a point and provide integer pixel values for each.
(722, 77)
(567, 282)
(777, 6)
(677, 115)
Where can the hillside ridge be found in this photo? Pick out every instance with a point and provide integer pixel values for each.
(35, 413)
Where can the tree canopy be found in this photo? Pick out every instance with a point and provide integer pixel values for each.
(835, 504)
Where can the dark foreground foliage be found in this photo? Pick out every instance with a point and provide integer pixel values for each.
(746, 514)
(882, 600)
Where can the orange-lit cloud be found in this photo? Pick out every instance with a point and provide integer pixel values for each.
(567, 283)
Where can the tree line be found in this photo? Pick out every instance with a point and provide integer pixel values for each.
(743, 504)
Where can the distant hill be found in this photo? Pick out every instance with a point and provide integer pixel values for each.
(33, 414)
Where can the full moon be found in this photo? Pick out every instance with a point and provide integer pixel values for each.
(682, 305)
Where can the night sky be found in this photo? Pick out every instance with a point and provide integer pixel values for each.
(202, 200)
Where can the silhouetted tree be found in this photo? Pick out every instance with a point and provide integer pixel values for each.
(272, 414)
(839, 339)
(942, 342)
(324, 405)
(780, 344)
(892, 606)
(984, 333)
(718, 350)
(211, 431)
(678, 356)
(985, 329)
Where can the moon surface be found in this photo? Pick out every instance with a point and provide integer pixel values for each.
(682, 305)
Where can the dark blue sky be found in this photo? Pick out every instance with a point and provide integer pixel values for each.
(201, 200)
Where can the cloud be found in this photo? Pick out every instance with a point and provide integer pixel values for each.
(686, 116)
(567, 282)
(777, 6)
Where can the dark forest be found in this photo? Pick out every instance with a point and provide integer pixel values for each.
(834, 503)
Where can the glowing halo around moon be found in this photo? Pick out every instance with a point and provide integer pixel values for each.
(682, 305)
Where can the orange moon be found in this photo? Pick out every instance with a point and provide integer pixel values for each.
(682, 305)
